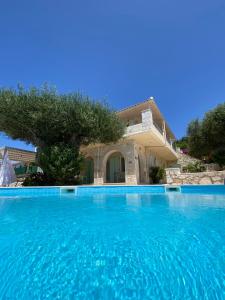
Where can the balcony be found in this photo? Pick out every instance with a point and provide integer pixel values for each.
(150, 133)
(134, 129)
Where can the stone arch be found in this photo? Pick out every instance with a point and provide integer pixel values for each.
(114, 164)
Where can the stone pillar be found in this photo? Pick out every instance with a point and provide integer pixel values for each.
(147, 119)
(98, 171)
(98, 181)
(131, 161)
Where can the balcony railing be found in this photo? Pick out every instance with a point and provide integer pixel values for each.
(133, 128)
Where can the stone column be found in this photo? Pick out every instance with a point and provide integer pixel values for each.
(131, 161)
(98, 172)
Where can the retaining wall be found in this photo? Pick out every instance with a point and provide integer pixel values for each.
(174, 176)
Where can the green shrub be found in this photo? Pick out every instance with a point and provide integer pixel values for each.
(38, 179)
(182, 143)
(194, 168)
(41, 179)
(156, 174)
(61, 162)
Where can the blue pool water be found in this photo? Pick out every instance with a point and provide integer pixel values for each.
(124, 243)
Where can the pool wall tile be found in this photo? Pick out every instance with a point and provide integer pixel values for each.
(203, 189)
(30, 191)
(119, 190)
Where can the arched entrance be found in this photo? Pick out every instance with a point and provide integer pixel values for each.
(88, 177)
(115, 168)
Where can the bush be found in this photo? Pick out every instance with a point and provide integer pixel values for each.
(182, 143)
(61, 162)
(41, 179)
(38, 179)
(194, 168)
(156, 174)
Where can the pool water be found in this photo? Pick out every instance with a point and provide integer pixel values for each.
(92, 245)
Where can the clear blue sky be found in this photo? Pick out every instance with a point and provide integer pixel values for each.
(124, 51)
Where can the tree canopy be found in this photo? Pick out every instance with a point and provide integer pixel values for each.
(57, 124)
(182, 143)
(206, 138)
(44, 118)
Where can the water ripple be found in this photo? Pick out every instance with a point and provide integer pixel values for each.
(74, 248)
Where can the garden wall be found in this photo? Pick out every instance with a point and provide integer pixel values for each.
(174, 176)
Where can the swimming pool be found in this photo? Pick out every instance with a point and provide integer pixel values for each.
(112, 243)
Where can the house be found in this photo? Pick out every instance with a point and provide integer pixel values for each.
(18, 155)
(22, 160)
(147, 142)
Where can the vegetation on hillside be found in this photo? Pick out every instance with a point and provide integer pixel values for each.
(57, 125)
(206, 138)
(182, 143)
(194, 167)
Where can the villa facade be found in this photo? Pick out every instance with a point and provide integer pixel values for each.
(148, 141)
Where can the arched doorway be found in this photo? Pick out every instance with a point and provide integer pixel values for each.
(115, 168)
(88, 171)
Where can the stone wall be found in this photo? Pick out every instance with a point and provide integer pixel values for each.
(174, 176)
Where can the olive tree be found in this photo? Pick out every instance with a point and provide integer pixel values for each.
(57, 124)
(207, 137)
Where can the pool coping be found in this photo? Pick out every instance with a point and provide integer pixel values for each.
(108, 185)
(111, 189)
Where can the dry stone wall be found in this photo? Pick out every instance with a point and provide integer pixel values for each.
(174, 176)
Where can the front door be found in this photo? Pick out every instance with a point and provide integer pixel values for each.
(115, 169)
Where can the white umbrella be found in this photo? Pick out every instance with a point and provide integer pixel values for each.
(7, 173)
